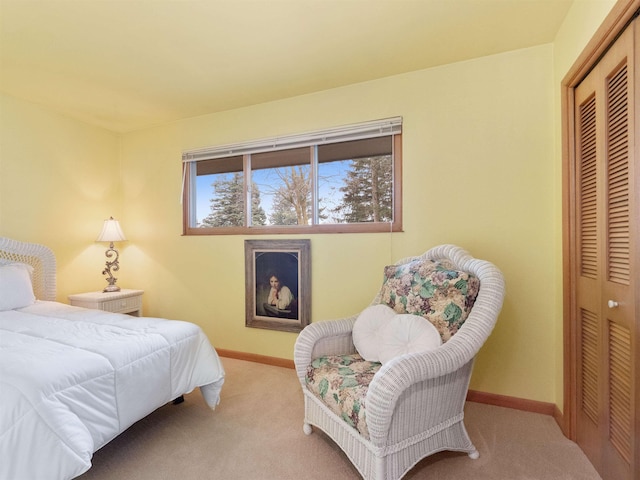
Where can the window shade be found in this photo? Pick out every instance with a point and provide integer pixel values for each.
(373, 129)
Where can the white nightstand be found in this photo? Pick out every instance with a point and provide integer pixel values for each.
(124, 301)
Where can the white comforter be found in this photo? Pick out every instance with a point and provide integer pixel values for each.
(72, 379)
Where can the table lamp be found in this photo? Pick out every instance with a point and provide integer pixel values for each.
(111, 232)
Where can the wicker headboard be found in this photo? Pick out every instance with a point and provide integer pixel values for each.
(42, 260)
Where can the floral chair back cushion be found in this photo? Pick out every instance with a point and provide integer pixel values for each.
(436, 291)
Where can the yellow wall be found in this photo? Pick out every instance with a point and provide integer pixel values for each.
(477, 156)
(59, 179)
(481, 169)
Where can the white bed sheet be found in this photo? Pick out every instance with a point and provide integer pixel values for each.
(72, 379)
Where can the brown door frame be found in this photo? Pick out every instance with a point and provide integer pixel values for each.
(621, 14)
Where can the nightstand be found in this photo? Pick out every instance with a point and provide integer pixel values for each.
(124, 301)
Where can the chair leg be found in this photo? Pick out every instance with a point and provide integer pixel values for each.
(178, 400)
(306, 428)
(474, 455)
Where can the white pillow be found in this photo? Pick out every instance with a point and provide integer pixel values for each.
(366, 331)
(407, 334)
(16, 290)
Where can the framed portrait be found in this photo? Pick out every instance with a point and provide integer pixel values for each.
(277, 278)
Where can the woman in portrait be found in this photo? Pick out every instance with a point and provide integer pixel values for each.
(280, 297)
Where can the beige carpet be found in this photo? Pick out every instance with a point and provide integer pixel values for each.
(256, 433)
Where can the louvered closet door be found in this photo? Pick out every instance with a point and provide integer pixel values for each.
(606, 278)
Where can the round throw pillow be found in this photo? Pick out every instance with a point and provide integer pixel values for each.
(366, 331)
(407, 334)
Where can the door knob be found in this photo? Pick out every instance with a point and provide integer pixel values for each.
(612, 304)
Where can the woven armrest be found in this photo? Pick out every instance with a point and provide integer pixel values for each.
(430, 376)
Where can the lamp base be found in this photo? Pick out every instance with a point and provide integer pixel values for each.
(111, 280)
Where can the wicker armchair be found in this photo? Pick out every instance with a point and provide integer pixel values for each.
(415, 402)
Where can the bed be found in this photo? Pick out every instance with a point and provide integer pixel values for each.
(72, 379)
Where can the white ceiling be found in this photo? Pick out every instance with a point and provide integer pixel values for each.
(128, 64)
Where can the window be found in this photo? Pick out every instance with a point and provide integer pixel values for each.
(345, 179)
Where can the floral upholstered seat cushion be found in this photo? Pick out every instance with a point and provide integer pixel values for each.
(341, 382)
(436, 291)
